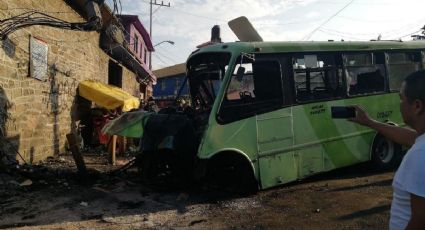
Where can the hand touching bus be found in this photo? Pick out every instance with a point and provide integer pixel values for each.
(401, 135)
(362, 117)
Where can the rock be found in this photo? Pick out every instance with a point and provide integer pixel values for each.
(149, 223)
(182, 197)
(84, 204)
(27, 182)
(97, 188)
(13, 182)
(50, 159)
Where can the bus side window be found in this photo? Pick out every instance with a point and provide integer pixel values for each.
(365, 73)
(317, 77)
(241, 88)
(400, 65)
(257, 90)
(239, 95)
(267, 82)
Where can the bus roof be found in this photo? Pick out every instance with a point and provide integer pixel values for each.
(311, 46)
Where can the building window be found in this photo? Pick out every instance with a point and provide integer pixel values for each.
(114, 74)
(163, 85)
(141, 50)
(136, 44)
(178, 85)
(145, 58)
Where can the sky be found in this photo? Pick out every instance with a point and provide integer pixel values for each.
(188, 23)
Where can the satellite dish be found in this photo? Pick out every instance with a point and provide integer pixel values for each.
(244, 30)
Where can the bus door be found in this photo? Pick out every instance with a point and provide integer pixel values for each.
(275, 135)
(317, 80)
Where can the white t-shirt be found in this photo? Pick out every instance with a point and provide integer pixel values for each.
(409, 179)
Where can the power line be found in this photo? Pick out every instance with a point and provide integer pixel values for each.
(156, 10)
(359, 2)
(151, 3)
(288, 23)
(199, 16)
(161, 59)
(369, 21)
(324, 23)
(336, 34)
(409, 34)
(347, 33)
(167, 57)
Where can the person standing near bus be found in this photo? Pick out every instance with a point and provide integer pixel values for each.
(408, 204)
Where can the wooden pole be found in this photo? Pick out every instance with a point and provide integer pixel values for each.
(78, 158)
(112, 150)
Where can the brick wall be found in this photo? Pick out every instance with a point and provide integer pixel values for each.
(41, 113)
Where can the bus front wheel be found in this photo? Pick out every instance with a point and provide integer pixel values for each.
(386, 154)
(232, 173)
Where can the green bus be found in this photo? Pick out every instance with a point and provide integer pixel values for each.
(261, 111)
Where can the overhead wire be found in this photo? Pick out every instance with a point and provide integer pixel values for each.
(359, 19)
(327, 20)
(160, 59)
(343, 36)
(167, 57)
(410, 34)
(159, 7)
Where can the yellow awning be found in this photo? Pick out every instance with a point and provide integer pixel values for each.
(107, 96)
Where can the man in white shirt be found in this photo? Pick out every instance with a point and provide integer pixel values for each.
(408, 205)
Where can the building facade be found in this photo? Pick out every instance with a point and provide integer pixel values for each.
(140, 45)
(169, 83)
(41, 67)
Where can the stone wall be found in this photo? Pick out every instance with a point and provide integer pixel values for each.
(39, 112)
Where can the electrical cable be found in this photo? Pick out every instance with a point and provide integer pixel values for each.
(327, 20)
(344, 36)
(31, 18)
(164, 56)
(157, 56)
(409, 34)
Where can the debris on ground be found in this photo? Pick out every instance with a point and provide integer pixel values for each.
(50, 195)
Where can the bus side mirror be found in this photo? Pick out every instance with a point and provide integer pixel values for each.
(240, 73)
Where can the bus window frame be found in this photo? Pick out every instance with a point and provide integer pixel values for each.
(375, 54)
(338, 65)
(260, 57)
(420, 52)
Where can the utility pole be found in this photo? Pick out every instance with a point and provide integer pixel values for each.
(150, 25)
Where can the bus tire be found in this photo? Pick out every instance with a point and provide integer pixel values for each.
(386, 154)
(231, 173)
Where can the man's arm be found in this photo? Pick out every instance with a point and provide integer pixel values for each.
(403, 136)
(417, 219)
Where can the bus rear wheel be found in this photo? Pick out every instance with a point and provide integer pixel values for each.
(386, 154)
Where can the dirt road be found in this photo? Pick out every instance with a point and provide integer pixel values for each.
(351, 198)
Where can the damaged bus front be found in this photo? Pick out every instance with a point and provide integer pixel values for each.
(172, 137)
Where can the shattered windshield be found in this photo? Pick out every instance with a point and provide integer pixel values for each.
(205, 75)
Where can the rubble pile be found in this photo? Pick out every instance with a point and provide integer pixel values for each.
(60, 171)
(7, 162)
